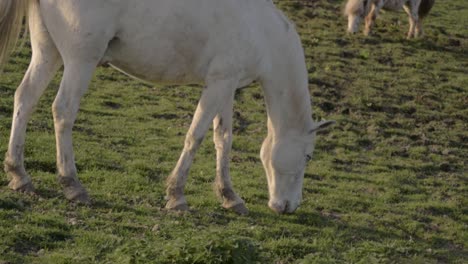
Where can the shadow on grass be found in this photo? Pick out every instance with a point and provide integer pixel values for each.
(362, 235)
(49, 193)
(107, 205)
(443, 43)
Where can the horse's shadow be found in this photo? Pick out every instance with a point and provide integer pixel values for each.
(440, 42)
(438, 39)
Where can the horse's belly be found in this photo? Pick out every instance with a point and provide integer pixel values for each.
(155, 65)
(393, 5)
(150, 72)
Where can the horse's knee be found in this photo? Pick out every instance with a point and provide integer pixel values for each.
(62, 117)
(222, 140)
(62, 124)
(193, 140)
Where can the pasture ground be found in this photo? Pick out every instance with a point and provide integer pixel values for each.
(388, 184)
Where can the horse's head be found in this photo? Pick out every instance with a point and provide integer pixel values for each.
(355, 10)
(285, 161)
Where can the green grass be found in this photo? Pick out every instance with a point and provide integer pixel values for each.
(388, 184)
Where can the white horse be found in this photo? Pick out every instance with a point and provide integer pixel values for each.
(358, 9)
(225, 44)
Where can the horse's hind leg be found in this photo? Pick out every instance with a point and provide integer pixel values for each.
(222, 137)
(217, 93)
(415, 29)
(77, 75)
(40, 72)
(44, 64)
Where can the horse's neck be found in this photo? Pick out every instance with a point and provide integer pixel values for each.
(288, 100)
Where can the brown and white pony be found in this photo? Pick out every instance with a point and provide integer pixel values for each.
(356, 10)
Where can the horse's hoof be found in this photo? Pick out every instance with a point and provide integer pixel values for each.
(24, 186)
(77, 195)
(239, 209)
(174, 206)
(73, 190)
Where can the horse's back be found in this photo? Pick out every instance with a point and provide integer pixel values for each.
(171, 41)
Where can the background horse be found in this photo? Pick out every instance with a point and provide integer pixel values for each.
(369, 9)
(225, 44)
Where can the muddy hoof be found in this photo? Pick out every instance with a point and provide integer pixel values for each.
(239, 209)
(174, 206)
(77, 195)
(25, 186)
(73, 190)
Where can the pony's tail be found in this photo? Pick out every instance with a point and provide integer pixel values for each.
(12, 14)
(425, 7)
(352, 7)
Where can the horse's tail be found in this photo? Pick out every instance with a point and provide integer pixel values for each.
(352, 7)
(12, 14)
(425, 7)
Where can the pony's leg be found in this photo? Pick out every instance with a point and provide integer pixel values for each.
(222, 137)
(76, 78)
(214, 96)
(40, 72)
(44, 64)
(370, 18)
(82, 44)
(411, 9)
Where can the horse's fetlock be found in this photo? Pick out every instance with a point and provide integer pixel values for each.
(68, 181)
(227, 193)
(174, 192)
(10, 166)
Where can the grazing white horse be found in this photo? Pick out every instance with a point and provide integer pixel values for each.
(358, 9)
(225, 44)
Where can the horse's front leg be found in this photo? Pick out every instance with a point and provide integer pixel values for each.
(222, 137)
(214, 96)
(371, 16)
(74, 84)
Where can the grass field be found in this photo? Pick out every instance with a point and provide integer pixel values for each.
(388, 184)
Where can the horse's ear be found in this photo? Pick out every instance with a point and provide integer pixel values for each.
(321, 125)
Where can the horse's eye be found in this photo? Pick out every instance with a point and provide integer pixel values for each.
(308, 157)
